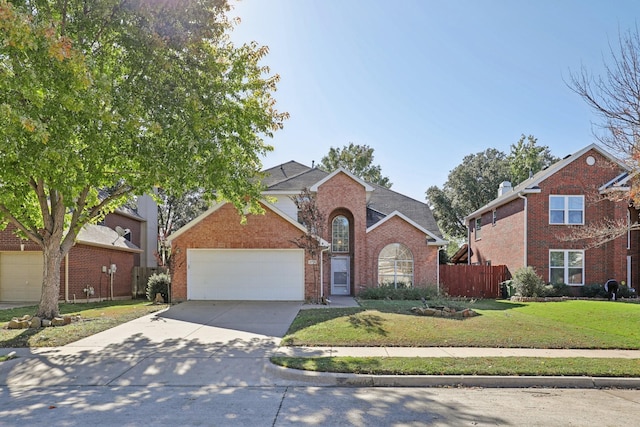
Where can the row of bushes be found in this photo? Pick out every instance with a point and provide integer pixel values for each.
(390, 292)
(526, 283)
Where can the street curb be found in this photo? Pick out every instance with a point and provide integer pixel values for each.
(484, 381)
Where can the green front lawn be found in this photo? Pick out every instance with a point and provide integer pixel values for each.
(95, 317)
(527, 366)
(566, 324)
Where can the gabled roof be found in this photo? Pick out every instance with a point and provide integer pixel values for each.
(217, 206)
(433, 239)
(292, 177)
(531, 185)
(366, 185)
(105, 237)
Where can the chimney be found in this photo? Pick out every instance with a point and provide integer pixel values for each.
(505, 187)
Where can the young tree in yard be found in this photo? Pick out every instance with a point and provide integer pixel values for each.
(173, 213)
(123, 96)
(314, 220)
(615, 99)
(357, 159)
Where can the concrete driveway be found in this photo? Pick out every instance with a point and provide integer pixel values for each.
(190, 344)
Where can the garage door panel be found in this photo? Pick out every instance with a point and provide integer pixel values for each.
(20, 276)
(245, 274)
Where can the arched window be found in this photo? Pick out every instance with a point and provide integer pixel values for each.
(395, 266)
(340, 234)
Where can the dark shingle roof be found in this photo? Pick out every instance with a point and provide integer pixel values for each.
(293, 176)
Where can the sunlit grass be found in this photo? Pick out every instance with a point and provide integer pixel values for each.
(95, 317)
(526, 366)
(567, 324)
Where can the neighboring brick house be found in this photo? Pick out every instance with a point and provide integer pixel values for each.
(526, 224)
(374, 236)
(88, 263)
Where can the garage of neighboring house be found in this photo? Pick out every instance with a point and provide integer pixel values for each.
(20, 276)
(245, 274)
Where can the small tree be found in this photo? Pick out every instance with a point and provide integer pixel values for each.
(528, 283)
(314, 220)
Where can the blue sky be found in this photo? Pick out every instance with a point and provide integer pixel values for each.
(426, 83)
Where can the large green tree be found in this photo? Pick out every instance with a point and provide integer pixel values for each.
(123, 96)
(469, 186)
(475, 182)
(357, 159)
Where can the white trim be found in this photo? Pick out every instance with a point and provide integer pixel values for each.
(566, 265)
(438, 241)
(566, 209)
(366, 186)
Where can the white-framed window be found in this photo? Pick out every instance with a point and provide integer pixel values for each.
(340, 234)
(567, 210)
(494, 217)
(566, 266)
(395, 266)
(478, 228)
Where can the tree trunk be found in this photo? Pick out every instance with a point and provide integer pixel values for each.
(48, 308)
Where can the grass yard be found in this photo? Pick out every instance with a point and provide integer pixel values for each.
(96, 317)
(527, 366)
(567, 324)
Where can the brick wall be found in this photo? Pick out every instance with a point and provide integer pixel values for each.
(397, 230)
(341, 195)
(85, 264)
(222, 230)
(10, 242)
(85, 269)
(578, 178)
(502, 244)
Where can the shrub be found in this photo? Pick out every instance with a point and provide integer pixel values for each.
(389, 292)
(594, 290)
(158, 284)
(527, 283)
(557, 290)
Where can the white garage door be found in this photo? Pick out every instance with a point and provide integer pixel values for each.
(20, 276)
(245, 274)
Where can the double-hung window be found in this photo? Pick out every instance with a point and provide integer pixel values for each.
(566, 266)
(567, 210)
(478, 228)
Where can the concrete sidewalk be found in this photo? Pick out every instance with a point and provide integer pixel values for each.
(487, 381)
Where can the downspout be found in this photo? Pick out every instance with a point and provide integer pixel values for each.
(526, 222)
(66, 277)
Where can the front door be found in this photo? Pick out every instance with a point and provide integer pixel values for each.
(340, 275)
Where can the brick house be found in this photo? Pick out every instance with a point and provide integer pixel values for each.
(525, 225)
(373, 236)
(88, 263)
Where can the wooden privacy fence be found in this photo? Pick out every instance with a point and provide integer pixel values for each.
(473, 281)
(140, 277)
